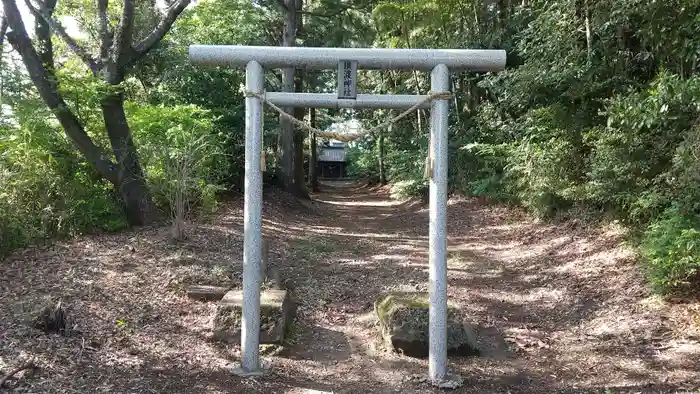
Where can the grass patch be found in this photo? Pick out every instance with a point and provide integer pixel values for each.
(455, 258)
(403, 190)
(671, 248)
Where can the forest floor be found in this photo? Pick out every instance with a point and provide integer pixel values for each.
(557, 308)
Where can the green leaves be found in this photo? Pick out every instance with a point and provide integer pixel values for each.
(47, 188)
(671, 247)
(193, 146)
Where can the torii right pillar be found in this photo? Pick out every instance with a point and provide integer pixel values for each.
(437, 363)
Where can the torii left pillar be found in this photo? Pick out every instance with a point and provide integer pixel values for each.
(252, 224)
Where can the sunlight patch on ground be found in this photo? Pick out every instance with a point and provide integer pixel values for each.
(596, 263)
(546, 295)
(506, 227)
(461, 260)
(485, 274)
(408, 248)
(389, 236)
(418, 266)
(382, 203)
(466, 247)
(223, 229)
(544, 298)
(352, 262)
(530, 278)
(568, 267)
(681, 353)
(389, 376)
(394, 257)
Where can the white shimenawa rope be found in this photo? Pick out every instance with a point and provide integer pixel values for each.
(347, 137)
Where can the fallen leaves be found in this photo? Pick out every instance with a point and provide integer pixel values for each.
(27, 365)
(540, 288)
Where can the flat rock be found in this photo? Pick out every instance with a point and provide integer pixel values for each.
(206, 293)
(403, 320)
(276, 310)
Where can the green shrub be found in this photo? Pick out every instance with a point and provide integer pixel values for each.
(544, 166)
(47, 189)
(362, 163)
(405, 165)
(647, 132)
(683, 178)
(178, 140)
(671, 248)
(408, 189)
(480, 170)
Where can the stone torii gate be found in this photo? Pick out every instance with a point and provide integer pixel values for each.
(440, 62)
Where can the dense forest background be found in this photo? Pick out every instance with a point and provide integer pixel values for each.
(105, 123)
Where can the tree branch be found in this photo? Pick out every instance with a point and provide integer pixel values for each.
(121, 45)
(3, 30)
(42, 31)
(45, 82)
(105, 35)
(46, 15)
(160, 30)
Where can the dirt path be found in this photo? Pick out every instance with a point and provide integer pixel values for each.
(556, 309)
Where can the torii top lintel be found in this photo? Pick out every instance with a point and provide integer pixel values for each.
(313, 58)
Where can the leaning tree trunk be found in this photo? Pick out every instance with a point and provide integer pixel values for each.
(3, 29)
(131, 182)
(118, 52)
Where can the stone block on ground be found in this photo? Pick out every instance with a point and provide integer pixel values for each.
(403, 320)
(276, 312)
(206, 293)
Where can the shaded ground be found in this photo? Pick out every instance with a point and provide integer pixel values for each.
(556, 308)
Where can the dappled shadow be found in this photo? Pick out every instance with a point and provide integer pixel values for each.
(555, 309)
(315, 343)
(535, 289)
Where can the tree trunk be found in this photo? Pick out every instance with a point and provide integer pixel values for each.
(313, 159)
(299, 174)
(45, 82)
(419, 112)
(117, 54)
(131, 182)
(3, 29)
(503, 14)
(455, 89)
(285, 142)
(382, 172)
(589, 38)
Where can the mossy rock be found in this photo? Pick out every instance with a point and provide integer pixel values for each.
(276, 312)
(404, 322)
